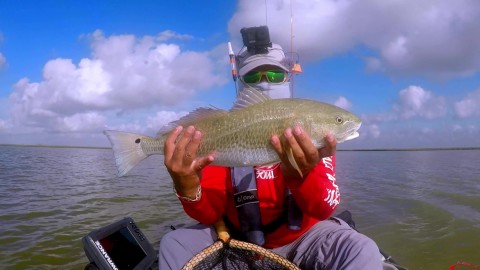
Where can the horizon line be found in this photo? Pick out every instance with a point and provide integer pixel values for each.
(346, 150)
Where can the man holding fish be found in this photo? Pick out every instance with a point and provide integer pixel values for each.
(283, 204)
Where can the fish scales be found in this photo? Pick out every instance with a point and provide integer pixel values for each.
(242, 137)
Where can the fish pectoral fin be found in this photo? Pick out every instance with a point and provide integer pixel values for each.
(293, 162)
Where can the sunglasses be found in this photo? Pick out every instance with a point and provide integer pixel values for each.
(272, 76)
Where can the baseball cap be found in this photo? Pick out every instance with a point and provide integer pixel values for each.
(247, 61)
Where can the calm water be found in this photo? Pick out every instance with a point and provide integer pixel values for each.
(421, 207)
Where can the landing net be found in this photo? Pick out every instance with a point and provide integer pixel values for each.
(227, 253)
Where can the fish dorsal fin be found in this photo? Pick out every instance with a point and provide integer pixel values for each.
(249, 96)
(192, 118)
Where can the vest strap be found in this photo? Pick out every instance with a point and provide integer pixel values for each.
(246, 201)
(267, 229)
(295, 215)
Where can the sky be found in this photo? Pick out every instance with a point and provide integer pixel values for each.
(71, 69)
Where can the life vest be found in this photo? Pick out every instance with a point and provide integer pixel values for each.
(246, 200)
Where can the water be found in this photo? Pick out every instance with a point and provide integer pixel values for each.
(421, 207)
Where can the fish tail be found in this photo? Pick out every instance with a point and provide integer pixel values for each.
(127, 149)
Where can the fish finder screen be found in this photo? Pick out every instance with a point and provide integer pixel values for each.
(123, 249)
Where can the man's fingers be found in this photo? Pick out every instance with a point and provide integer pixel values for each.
(305, 143)
(297, 151)
(169, 145)
(182, 143)
(330, 146)
(192, 147)
(277, 145)
(202, 162)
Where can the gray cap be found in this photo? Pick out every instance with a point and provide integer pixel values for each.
(247, 62)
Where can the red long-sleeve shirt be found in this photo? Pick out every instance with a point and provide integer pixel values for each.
(317, 195)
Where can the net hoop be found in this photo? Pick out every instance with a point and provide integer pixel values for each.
(224, 241)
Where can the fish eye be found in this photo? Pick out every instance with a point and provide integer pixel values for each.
(339, 120)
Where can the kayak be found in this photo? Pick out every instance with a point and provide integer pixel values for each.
(122, 245)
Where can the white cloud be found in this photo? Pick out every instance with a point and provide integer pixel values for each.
(469, 106)
(414, 101)
(378, 118)
(372, 131)
(343, 103)
(124, 73)
(3, 60)
(162, 118)
(466, 129)
(82, 122)
(373, 64)
(169, 34)
(411, 102)
(3, 125)
(431, 37)
(425, 122)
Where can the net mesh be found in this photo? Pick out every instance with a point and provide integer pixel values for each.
(227, 253)
(234, 254)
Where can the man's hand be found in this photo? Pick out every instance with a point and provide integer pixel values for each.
(306, 156)
(181, 160)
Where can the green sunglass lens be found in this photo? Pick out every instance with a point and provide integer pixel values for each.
(252, 77)
(275, 76)
(272, 76)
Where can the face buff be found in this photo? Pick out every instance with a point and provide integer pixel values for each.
(274, 91)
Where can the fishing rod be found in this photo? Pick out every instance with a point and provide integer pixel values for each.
(231, 54)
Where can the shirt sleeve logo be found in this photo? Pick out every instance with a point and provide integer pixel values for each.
(267, 172)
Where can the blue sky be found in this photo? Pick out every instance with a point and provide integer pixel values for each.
(70, 69)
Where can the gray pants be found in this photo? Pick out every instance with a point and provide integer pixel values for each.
(330, 244)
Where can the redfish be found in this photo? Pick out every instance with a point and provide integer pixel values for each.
(241, 136)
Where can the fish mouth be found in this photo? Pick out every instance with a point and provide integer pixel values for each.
(352, 136)
(351, 133)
